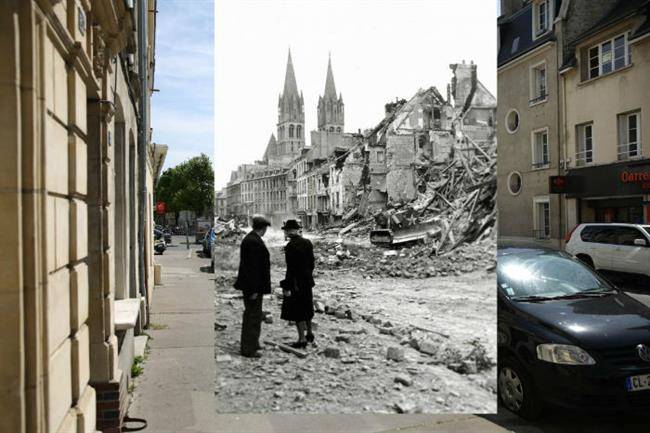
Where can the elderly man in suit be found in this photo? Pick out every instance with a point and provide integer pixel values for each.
(254, 280)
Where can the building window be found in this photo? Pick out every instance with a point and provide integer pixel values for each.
(540, 148)
(542, 218)
(514, 183)
(512, 121)
(538, 91)
(608, 56)
(338, 129)
(629, 135)
(541, 18)
(290, 131)
(298, 133)
(331, 129)
(380, 156)
(584, 144)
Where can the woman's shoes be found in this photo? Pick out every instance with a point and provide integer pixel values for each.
(310, 338)
(299, 345)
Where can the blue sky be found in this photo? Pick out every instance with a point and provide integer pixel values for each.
(183, 109)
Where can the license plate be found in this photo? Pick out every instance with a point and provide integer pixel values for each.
(638, 383)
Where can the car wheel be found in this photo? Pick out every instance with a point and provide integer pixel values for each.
(516, 390)
(586, 260)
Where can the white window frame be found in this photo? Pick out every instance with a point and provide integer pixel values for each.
(539, 165)
(539, 31)
(541, 200)
(536, 96)
(511, 111)
(623, 144)
(627, 56)
(521, 183)
(582, 153)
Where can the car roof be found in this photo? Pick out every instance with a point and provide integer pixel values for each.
(614, 224)
(508, 251)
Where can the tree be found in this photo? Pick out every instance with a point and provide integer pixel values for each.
(188, 186)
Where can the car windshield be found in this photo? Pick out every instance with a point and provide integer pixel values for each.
(647, 229)
(546, 275)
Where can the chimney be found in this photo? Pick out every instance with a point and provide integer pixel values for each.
(509, 7)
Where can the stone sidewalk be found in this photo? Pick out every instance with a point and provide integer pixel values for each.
(175, 394)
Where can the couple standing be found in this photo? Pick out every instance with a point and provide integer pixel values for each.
(254, 280)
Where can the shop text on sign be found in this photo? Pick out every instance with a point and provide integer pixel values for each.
(640, 177)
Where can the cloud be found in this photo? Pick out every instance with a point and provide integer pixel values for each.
(183, 110)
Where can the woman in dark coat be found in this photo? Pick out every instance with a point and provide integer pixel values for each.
(298, 301)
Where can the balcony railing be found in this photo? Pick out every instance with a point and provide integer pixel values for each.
(584, 157)
(628, 150)
(541, 164)
(540, 98)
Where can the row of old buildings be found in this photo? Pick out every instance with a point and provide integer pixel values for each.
(574, 104)
(339, 174)
(76, 200)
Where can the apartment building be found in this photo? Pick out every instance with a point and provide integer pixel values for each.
(529, 131)
(77, 183)
(571, 116)
(606, 77)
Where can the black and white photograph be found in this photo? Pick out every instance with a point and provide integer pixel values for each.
(354, 250)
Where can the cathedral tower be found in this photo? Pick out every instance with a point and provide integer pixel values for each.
(331, 110)
(291, 120)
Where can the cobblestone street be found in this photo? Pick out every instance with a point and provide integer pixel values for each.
(443, 327)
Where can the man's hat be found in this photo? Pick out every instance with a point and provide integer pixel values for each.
(291, 225)
(260, 222)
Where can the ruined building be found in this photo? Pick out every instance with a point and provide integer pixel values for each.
(341, 174)
(414, 136)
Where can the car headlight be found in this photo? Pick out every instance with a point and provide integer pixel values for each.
(564, 354)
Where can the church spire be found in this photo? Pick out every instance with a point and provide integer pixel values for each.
(290, 86)
(330, 88)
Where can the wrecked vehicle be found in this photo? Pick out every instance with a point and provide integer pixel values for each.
(401, 228)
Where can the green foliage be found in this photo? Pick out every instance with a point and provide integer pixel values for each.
(188, 186)
(137, 368)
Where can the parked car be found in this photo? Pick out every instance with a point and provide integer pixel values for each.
(159, 246)
(209, 237)
(612, 246)
(568, 337)
(168, 236)
(202, 226)
(213, 256)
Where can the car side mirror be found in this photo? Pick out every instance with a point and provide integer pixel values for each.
(640, 242)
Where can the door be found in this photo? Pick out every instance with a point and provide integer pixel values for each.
(629, 257)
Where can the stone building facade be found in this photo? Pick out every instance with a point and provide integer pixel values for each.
(78, 172)
(583, 69)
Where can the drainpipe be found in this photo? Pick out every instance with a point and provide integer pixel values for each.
(142, 145)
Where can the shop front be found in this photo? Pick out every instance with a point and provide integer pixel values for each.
(617, 192)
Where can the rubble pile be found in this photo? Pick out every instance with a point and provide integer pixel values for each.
(462, 197)
(456, 204)
(413, 262)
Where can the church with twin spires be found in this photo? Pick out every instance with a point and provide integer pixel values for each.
(289, 140)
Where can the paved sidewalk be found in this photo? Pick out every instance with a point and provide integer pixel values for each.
(176, 391)
(175, 394)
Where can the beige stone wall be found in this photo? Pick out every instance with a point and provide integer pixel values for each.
(600, 101)
(516, 212)
(57, 201)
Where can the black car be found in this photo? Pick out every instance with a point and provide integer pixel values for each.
(568, 337)
(167, 235)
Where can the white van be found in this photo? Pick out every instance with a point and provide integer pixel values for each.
(612, 246)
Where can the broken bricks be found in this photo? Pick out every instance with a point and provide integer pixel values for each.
(395, 353)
